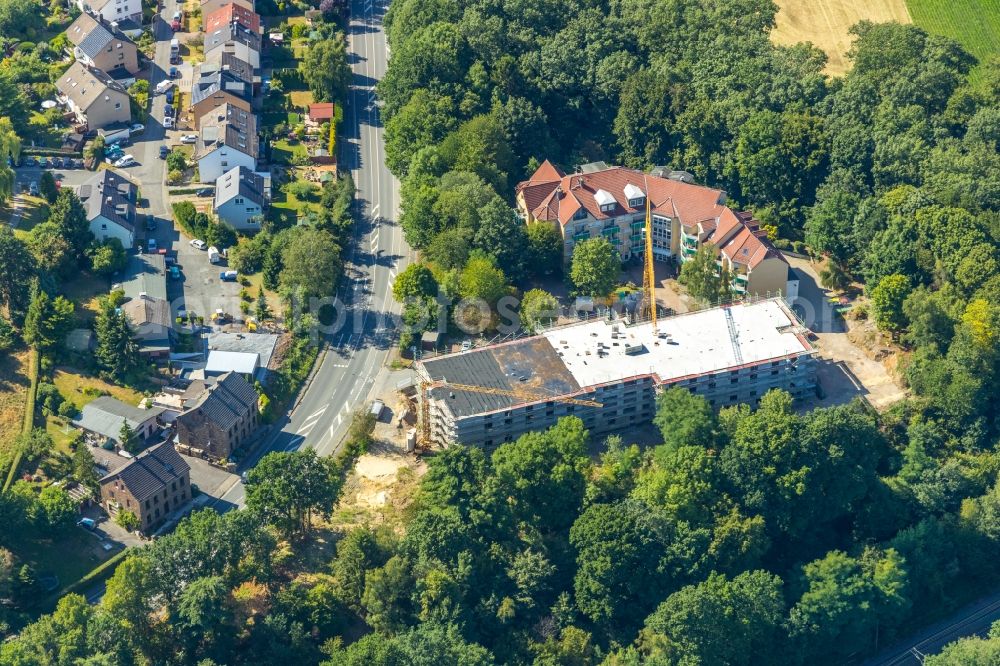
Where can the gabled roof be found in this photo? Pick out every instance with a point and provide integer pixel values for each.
(227, 401)
(558, 198)
(241, 69)
(86, 85)
(231, 13)
(322, 110)
(242, 182)
(145, 274)
(110, 195)
(92, 36)
(151, 471)
(105, 416)
(212, 80)
(230, 126)
(262, 344)
(148, 310)
(231, 32)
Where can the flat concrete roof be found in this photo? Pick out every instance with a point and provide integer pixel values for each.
(690, 344)
(571, 359)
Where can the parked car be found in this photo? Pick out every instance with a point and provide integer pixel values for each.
(175, 22)
(152, 245)
(125, 161)
(198, 244)
(175, 272)
(189, 138)
(138, 128)
(30, 161)
(169, 110)
(56, 163)
(175, 59)
(170, 96)
(466, 345)
(87, 523)
(168, 122)
(164, 85)
(205, 192)
(33, 188)
(43, 162)
(228, 276)
(164, 151)
(173, 73)
(150, 223)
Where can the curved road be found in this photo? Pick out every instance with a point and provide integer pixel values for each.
(358, 347)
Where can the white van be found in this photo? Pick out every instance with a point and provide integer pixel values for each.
(175, 46)
(163, 86)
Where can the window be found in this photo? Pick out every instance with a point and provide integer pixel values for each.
(238, 200)
(118, 105)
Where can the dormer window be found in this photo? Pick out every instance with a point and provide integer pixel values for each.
(605, 200)
(636, 197)
(580, 214)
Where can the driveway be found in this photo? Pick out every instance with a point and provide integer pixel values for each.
(211, 480)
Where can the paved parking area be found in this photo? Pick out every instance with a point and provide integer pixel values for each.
(211, 480)
(200, 290)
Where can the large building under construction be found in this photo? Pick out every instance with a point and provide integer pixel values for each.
(608, 373)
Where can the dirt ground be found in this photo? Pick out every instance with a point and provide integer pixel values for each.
(854, 360)
(825, 23)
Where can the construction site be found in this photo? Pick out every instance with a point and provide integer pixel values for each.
(608, 372)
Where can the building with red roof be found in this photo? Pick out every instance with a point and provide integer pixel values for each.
(606, 201)
(320, 112)
(231, 13)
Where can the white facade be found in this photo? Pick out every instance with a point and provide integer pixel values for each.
(220, 160)
(241, 213)
(103, 229)
(113, 10)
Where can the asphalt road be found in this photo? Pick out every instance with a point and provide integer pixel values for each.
(358, 347)
(973, 620)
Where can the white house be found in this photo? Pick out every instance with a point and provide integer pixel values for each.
(110, 200)
(228, 139)
(113, 10)
(239, 199)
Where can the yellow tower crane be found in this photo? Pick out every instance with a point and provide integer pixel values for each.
(525, 396)
(649, 271)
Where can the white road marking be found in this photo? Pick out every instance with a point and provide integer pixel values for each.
(317, 413)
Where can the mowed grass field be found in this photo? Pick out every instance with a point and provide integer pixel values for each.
(825, 23)
(975, 24)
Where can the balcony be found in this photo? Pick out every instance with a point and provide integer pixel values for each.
(581, 235)
(609, 231)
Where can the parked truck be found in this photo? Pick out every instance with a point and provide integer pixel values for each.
(228, 276)
(213, 254)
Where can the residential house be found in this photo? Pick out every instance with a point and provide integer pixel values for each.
(214, 87)
(144, 275)
(221, 420)
(239, 199)
(610, 202)
(234, 39)
(151, 323)
(153, 485)
(231, 12)
(113, 10)
(262, 345)
(320, 112)
(110, 200)
(96, 99)
(211, 6)
(104, 417)
(228, 139)
(99, 44)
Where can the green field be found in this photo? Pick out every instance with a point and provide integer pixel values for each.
(975, 24)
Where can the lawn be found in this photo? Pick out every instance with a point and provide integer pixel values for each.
(84, 291)
(285, 208)
(301, 99)
(273, 300)
(81, 389)
(32, 211)
(975, 24)
(13, 393)
(285, 151)
(70, 556)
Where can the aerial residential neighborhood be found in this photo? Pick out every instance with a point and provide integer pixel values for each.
(469, 333)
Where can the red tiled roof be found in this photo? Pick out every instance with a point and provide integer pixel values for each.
(551, 196)
(232, 13)
(321, 110)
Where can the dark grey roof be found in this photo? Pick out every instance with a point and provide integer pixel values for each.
(233, 32)
(105, 416)
(111, 195)
(239, 181)
(92, 36)
(85, 85)
(531, 365)
(239, 68)
(151, 471)
(231, 398)
(231, 126)
(212, 81)
(145, 274)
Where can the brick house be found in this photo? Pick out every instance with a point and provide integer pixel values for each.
(221, 420)
(154, 484)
